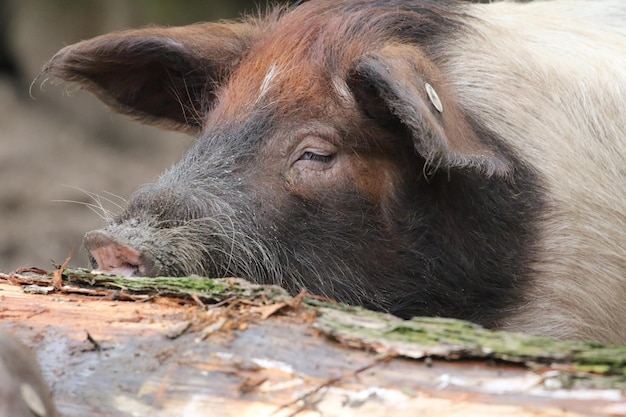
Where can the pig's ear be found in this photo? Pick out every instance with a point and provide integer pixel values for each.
(399, 85)
(161, 76)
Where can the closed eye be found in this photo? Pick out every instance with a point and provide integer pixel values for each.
(312, 156)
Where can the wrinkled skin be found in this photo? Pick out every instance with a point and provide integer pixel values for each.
(319, 164)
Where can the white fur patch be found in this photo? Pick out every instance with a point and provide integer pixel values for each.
(267, 80)
(342, 90)
(550, 79)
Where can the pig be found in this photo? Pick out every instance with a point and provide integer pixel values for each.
(23, 390)
(416, 157)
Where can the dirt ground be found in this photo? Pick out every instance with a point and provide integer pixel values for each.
(54, 161)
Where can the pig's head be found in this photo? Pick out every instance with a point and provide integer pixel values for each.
(331, 156)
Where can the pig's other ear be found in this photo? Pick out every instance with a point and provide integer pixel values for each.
(398, 84)
(160, 76)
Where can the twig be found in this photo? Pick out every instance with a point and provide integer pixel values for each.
(57, 278)
(97, 346)
(198, 301)
(163, 387)
(330, 382)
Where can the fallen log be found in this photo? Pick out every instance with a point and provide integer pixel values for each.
(119, 346)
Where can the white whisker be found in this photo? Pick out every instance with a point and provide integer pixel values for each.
(97, 209)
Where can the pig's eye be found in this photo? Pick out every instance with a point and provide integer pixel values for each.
(312, 156)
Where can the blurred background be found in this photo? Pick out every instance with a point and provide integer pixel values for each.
(58, 144)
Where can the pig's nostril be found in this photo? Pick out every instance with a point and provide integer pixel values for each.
(118, 259)
(110, 256)
(135, 270)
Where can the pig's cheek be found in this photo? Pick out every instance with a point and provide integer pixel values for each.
(295, 181)
(292, 178)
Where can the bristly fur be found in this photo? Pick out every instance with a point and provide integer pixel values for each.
(498, 205)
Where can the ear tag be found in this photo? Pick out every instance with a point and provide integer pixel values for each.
(433, 97)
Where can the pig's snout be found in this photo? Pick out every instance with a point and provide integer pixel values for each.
(109, 255)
